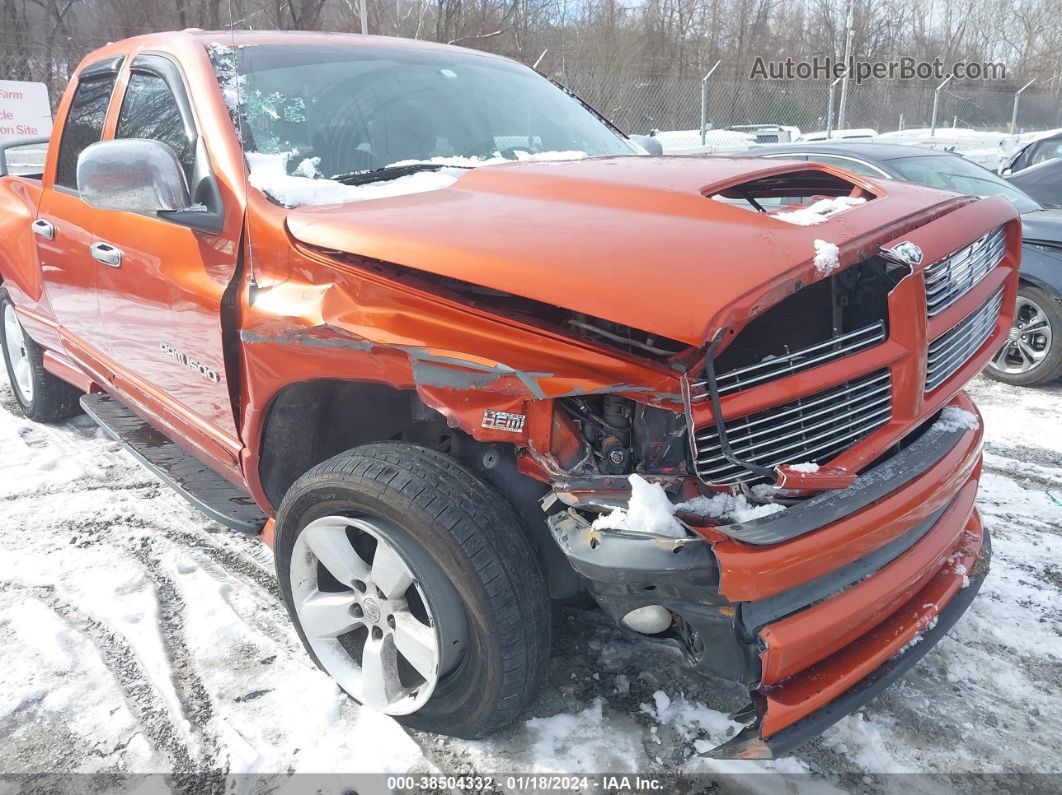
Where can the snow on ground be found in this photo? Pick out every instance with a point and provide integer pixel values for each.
(139, 636)
(716, 142)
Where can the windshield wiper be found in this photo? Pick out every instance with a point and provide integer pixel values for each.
(390, 172)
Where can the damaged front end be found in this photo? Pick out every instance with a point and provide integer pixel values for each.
(797, 420)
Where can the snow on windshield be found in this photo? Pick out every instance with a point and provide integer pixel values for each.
(302, 185)
(308, 133)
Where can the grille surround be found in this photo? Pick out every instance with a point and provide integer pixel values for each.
(951, 278)
(951, 350)
(792, 362)
(816, 428)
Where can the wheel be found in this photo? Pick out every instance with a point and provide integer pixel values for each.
(42, 396)
(411, 583)
(1032, 354)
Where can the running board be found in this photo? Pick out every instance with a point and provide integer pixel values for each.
(204, 488)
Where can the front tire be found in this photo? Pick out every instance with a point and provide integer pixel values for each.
(411, 584)
(42, 396)
(1032, 354)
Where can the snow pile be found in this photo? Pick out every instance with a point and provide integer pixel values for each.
(705, 728)
(826, 257)
(561, 156)
(984, 147)
(808, 467)
(688, 142)
(952, 418)
(269, 174)
(819, 211)
(648, 511)
(729, 507)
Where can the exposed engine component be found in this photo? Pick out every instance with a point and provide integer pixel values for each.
(626, 436)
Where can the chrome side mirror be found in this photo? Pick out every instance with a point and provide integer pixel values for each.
(133, 175)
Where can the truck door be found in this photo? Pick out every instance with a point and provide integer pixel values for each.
(61, 229)
(161, 283)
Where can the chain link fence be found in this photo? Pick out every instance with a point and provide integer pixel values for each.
(639, 101)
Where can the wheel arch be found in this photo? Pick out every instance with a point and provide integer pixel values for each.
(308, 422)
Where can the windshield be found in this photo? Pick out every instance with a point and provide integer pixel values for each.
(957, 174)
(339, 110)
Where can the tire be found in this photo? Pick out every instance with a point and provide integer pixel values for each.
(41, 396)
(471, 567)
(1033, 354)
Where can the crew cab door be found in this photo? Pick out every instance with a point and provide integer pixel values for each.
(161, 284)
(62, 226)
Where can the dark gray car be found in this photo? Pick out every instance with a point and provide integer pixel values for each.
(1033, 353)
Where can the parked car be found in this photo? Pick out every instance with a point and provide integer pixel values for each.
(304, 278)
(1042, 182)
(1039, 150)
(768, 133)
(1033, 352)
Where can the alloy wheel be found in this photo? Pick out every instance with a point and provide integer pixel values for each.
(15, 348)
(367, 615)
(1029, 341)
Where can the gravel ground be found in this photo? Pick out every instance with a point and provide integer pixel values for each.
(140, 637)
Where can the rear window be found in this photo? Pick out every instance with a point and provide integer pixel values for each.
(84, 125)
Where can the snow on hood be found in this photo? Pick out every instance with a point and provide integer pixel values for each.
(819, 211)
(269, 174)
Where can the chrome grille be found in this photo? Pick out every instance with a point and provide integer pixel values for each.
(952, 277)
(813, 429)
(953, 349)
(792, 361)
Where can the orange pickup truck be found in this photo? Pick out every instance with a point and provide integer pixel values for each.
(456, 346)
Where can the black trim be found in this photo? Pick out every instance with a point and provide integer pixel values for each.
(101, 68)
(792, 737)
(871, 486)
(200, 485)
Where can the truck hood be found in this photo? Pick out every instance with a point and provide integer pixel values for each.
(633, 240)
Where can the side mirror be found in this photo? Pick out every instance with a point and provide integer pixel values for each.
(133, 175)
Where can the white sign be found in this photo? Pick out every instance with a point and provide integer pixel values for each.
(24, 110)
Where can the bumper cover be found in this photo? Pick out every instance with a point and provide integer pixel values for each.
(816, 624)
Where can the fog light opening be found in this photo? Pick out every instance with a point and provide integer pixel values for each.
(648, 620)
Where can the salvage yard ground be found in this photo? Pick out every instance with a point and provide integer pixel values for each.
(138, 636)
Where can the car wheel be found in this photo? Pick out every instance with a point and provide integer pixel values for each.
(42, 396)
(1032, 354)
(411, 583)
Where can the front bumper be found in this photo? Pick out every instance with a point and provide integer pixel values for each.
(818, 608)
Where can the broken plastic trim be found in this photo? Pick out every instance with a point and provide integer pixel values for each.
(717, 414)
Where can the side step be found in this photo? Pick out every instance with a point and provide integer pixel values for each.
(187, 475)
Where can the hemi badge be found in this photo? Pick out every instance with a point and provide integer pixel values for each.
(503, 421)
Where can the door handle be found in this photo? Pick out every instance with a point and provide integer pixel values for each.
(43, 228)
(107, 254)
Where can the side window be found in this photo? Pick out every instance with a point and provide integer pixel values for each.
(149, 110)
(855, 166)
(84, 125)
